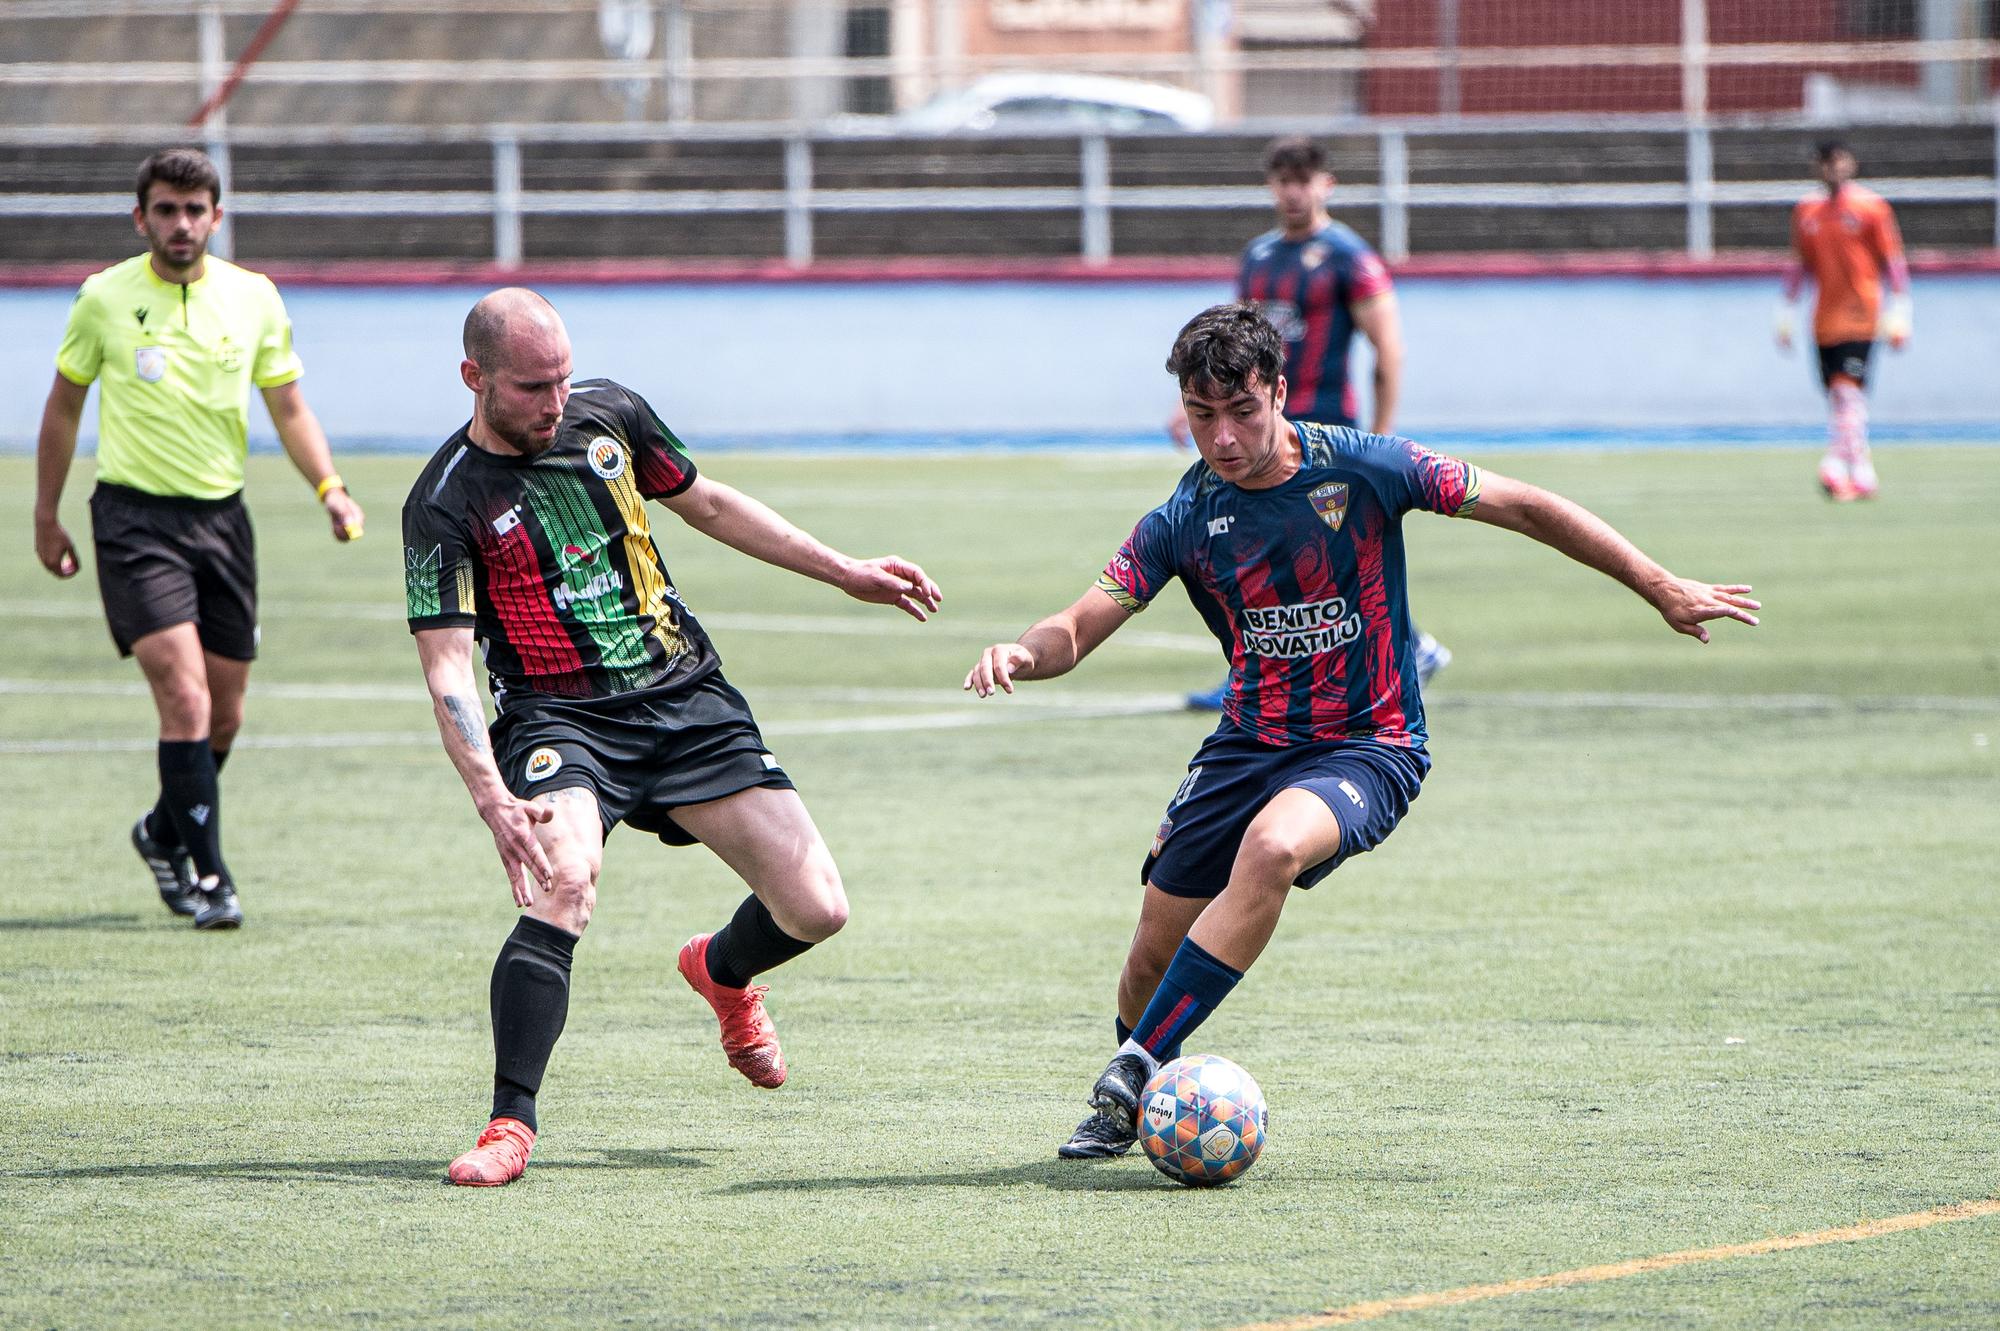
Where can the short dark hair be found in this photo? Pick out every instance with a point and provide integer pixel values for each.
(1294, 155)
(183, 169)
(1824, 150)
(1220, 350)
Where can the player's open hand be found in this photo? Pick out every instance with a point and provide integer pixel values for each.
(996, 667)
(345, 514)
(512, 823)
(55, 549)
(893, 580)
(1688, 605)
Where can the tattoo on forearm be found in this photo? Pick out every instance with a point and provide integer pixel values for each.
(468, 720)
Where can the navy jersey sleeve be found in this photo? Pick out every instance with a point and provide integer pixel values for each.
(437, 569)
(1143, 566)
(1406, 474)
(658, 456)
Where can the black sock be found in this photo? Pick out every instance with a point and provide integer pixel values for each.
(1124, 1031)
(530, 1000)
(750, 944)
(193, 802)
(160, 822)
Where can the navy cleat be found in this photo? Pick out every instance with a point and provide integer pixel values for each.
(1210, 701)
(219, 909)
(172, 873)
(1098, 1137)
(1432, 656)
(1116, 1094)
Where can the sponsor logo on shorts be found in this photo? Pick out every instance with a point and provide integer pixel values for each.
(770, 763)
(543, 763)
(1347, 789)
(1330, 502)
(1288, 632)
(151, 363)
(606, 457)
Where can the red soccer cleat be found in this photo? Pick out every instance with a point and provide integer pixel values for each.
(748, 1037)
(499, 1157)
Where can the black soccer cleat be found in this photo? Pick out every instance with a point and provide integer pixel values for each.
(219, 909)
(1116, 1094)
(172, 873)
(1098, 1137)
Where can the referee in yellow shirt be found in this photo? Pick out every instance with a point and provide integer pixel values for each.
(176, 338)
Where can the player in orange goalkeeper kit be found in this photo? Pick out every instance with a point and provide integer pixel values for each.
(1845, 240)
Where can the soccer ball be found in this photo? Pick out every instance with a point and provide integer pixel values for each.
(1201, 1120)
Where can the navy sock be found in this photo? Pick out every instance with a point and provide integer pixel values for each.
(194, 803)
(160, 822)
(750, 944)
(1124, 1031)
(530, 1002)
(1194, 986)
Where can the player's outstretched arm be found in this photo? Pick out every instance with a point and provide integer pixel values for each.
(1686, 605)
(54, 451)
(305, 443)
(726, 514)
(1052, 647)
(447, 659)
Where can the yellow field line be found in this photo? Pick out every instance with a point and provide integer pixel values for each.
(1591, 1275)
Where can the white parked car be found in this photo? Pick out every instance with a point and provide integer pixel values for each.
(1059, 102)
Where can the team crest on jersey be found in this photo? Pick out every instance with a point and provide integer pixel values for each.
(606, 457)
(1330, 502)
(543, 763)
(151, 363)
(1312, 256)
(228, 356)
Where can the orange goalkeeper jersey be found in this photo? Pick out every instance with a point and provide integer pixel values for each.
(1845, 241)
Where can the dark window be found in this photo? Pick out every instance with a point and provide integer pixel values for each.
(868, 35)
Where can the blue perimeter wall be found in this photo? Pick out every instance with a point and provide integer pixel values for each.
(1498, 360)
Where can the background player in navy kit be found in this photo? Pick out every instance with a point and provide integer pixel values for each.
(1288, 538)
(528, 530)
(1319, 283)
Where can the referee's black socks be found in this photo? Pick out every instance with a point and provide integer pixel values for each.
(160, 823)
(750, 944)
(530, 998)
(193, 804)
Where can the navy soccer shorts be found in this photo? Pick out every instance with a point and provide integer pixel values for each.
(1368, 786)
(1848, 358)
(643, 756)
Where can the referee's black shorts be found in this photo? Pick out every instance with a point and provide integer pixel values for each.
(643, 755)
(164, 560)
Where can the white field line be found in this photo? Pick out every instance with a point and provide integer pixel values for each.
(1144, 705)
(1133, 704)
(827, 626)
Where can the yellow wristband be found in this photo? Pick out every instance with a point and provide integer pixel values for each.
(332, 482)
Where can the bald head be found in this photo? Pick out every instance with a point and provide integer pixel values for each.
(511, 322)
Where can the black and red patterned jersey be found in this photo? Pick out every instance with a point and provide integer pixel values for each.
(1303, 583)
(550, 560)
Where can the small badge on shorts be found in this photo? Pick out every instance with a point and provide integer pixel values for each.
(1347, 789)
(543, 762)
(151, 363)
(770, 762)
(1330, 502)
(1160, 837)
(606, 458)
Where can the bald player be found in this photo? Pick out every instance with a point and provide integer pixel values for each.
(527, 538)
(1845, 239)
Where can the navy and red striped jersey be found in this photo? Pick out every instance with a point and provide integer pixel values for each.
(1303, 584)
(550, 559)
(1307, 289)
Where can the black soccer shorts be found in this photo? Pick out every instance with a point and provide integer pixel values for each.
(643, 756)
(164, 560)
(1848, 358)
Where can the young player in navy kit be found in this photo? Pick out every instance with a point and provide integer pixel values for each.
(1319, 284)
(1288, 539)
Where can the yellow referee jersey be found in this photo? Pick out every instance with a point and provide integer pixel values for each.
(176, 364)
